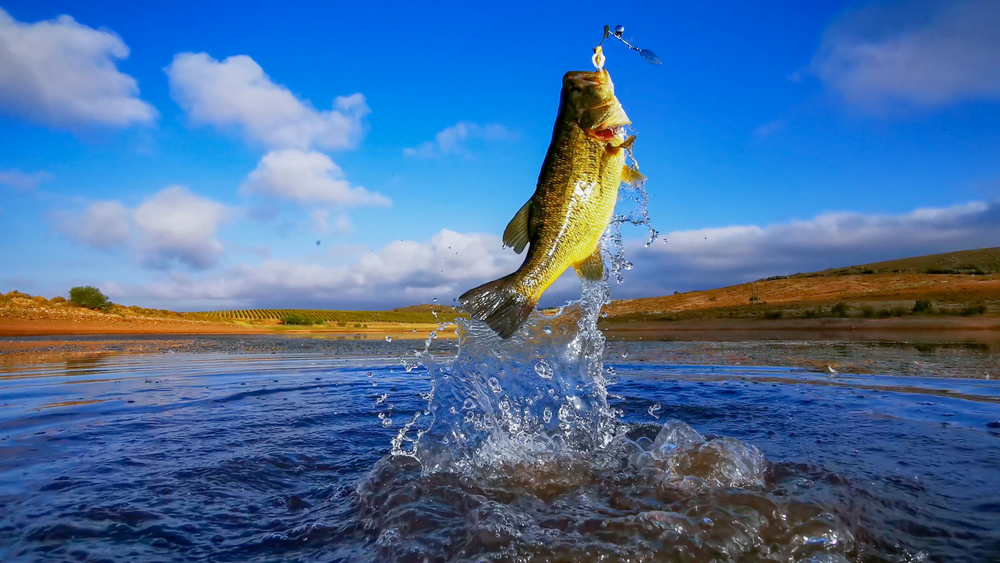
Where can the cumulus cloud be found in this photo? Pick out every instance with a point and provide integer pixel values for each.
(707, 258)
(453, 140)
(401, 273)
(918, 54)
(62, 73)
(307, 177)
(174, 225)
(22, 181)
(236, 94)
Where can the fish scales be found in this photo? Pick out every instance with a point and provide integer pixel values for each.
(571, 208)
(562, 223)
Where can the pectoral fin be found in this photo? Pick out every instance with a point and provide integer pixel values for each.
(516, 234)
(632, 177)
(592, 267)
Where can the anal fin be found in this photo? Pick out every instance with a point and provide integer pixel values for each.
(516, 234)
(592, 267)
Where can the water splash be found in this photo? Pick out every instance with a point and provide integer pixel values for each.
(543, 391)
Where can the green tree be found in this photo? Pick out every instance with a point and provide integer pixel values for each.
(297, 319)
(89, 297)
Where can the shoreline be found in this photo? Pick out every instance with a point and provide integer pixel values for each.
(922, 329)
(689, 329)
(23, 328)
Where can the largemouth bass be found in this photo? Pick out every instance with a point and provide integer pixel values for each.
(571, 207)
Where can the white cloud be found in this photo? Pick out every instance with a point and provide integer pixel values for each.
(452, 140)
(62, 73)
(22, 181)
(176, 224)
(235, 93)
(104, 224)
(707, 258)
(401, 273)
(321, 222)
(306, 177)
(172, 225)
(917, 54)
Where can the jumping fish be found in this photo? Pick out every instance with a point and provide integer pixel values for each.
(571, 207)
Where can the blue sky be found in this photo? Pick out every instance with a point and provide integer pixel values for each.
(190, 155)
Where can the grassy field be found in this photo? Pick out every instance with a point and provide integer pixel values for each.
(356, 319)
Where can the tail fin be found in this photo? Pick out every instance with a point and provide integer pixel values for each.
(499, 304)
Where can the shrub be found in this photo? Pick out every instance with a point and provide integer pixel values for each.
(839, 310)
(809, 313)
(58, 300)
(974, 310)
(772, 314)
(867, 312)
(89, 297)
(923, 306)
(297, 319)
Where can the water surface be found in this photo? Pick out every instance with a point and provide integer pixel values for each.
(265, 449)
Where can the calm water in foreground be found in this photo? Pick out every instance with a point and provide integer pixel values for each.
(279, 450)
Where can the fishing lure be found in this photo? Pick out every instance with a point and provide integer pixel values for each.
(598, 58)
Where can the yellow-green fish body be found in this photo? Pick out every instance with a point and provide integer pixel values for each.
(571, 207)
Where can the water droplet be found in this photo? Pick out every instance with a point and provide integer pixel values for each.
(604, 314)
(624, 353)
(386, 422)
(370, 374)
(654, 409)
(381, 415)
(435, 300)
(468, 404)
(388, 338)
(543, 370)
(611, 370)
(547, 329)
(547, 415)
(495, 385)
(414, 330)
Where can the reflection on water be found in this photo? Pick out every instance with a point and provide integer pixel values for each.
(265, 450)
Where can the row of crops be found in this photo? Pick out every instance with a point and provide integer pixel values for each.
(347, 317)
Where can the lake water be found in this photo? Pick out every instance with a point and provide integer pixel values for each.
(279, 449)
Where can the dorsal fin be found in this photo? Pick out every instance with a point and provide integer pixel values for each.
(516, 234)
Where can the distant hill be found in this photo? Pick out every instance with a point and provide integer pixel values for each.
(978, 262)
(960, 283)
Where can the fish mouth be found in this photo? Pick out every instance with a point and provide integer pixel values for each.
(605, 134)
